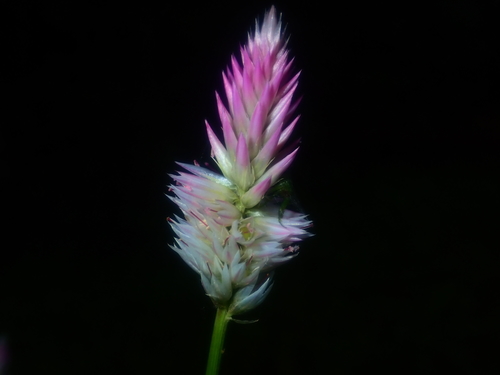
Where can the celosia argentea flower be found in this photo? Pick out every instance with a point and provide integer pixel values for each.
(231, 234)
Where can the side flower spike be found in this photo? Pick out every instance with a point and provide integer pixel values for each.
(230, 234)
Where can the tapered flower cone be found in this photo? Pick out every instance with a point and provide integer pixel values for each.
(229, 234)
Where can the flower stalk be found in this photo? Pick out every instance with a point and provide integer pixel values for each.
(217, 344)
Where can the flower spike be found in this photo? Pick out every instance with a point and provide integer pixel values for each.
(233, 232)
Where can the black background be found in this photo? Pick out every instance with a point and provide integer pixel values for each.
(398, 169)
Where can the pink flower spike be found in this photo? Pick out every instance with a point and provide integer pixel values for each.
(230, 229)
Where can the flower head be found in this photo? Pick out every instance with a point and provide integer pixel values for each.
(230, 235)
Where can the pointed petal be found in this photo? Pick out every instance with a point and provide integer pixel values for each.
(285, 133)
(219, 151)
(228, 89)
(227, 129)
(256, 127)
(277, 169)
(279, 113)
(245, 299)
(253, 196)
(266, 154)
(203, 172)
(240, 117)
(243, 174)
(238, 78)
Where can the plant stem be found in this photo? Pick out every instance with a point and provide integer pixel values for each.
(217, 344)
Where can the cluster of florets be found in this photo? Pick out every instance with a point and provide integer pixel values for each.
(230, 235)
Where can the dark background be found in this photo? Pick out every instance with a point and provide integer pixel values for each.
(398, 169)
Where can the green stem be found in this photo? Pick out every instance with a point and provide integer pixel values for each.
(217, 344)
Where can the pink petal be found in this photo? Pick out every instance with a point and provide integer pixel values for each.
(253, 196)
(219, 151)
(285, 133)
(277, 169)
(227, 129)
(240, 117)
(266, 154)
(228, 89)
